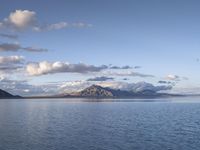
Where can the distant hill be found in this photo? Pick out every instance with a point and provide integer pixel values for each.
(5, 95)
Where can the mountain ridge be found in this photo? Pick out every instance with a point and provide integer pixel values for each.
(96, 91)
(6, 95)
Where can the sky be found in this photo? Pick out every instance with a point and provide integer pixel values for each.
(51, 47)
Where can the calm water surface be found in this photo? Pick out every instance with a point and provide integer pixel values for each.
(63, 125)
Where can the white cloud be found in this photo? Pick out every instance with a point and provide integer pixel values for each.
(22, 18)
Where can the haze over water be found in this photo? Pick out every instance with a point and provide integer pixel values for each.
(43, 124)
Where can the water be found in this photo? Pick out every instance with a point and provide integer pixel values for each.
(63, 125)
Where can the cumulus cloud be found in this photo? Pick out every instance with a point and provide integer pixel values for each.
(102, 78)
(46, 67)
(20, 20)
(16, 47)
(26, 19)
(9, 36)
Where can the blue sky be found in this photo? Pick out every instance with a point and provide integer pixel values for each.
(160, 36)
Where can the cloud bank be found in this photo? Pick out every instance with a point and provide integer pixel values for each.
(46, 67)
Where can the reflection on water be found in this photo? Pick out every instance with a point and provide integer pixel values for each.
(61, 125)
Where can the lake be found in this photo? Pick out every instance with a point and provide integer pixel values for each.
(61, 124)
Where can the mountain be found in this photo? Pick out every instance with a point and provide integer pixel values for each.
(5, 95)
(96, 91)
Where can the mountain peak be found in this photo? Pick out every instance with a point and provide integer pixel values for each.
(96, 91)
(95, 86)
